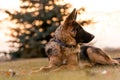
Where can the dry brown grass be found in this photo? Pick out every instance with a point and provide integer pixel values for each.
(24, 67)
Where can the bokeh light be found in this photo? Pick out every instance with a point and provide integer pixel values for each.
(105, 13)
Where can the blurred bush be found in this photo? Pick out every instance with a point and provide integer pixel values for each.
(37, 21)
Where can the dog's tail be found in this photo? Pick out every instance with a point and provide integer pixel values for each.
(118, 59)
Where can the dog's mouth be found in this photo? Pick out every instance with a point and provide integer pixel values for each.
(88, 39)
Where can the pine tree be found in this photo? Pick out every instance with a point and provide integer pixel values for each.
(37, 21)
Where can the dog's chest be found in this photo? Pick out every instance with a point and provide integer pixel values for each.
(68, 53)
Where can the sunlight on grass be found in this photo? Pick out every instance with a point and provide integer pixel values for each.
(24, 67)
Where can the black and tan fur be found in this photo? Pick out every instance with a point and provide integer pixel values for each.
(90, 56)
(64, 51)
(63, 48)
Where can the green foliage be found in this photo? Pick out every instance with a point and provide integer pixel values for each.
(37, 21)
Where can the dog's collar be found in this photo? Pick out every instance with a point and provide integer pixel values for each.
(63, 44)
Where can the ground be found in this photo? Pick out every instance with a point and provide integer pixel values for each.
(23, 68)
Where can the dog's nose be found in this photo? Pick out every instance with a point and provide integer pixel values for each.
(92, 36)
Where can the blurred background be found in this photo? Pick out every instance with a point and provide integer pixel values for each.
(27, 25)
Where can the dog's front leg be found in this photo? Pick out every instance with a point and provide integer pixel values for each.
(54, 63)
(71, 63)
(48, 68)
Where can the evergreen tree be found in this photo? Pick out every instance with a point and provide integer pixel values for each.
(37, 21)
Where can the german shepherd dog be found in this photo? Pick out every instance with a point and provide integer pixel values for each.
(90, 56)
(63, 48)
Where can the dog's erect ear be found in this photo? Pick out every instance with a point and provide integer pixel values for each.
(72, 16)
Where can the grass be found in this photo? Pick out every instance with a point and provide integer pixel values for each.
(24, 67)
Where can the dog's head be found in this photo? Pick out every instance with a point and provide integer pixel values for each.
(75, 29)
